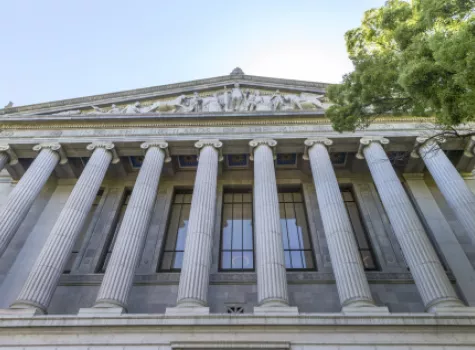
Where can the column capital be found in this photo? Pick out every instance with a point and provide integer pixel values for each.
(215, 143)
(253, 144)
(161, 144)
(422, 140)
(12, 157)
(470, 148)
(54, 146)
(309, 143)
(108, 146)
(367, 140)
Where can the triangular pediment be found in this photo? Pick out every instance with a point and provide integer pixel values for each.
(231, 93)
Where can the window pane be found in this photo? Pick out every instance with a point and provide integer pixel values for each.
(226, 260)
(296, 256)
(357, 226)
(181, 236)
(288, 197)
(292, 231)
(227, 227)
(302, 226)
(228, 198)
(179, 198)
(247, 226)
(187, 198)
(247, 198)
(178, 261)
(283, 226)
(288, 263)
(247, 260)
(236, 260)
(237, 226)
(238, 198)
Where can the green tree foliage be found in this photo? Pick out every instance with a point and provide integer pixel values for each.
(410, 58)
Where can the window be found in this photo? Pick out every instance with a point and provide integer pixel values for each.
(364, 244)
(172, 257)
(113, 234)
(295, 235)
(82, 235)
(237, 246)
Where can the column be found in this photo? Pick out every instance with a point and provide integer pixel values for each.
(27, 189)
(270, 262)
(454, 189)
(3, 156)
(118, 278)
(350, 277)
(194, 277)
(426, 269)
(41, 283)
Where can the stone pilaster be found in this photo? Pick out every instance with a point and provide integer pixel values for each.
(449, 181)
(27, 189)
(194, 278)
(351, 282)
(120, 272)
(270, 261)
(429, 275)
(43, 278)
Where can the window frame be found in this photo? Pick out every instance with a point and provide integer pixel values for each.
(233, 190)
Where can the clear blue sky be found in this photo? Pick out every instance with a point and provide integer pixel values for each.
(56, 49)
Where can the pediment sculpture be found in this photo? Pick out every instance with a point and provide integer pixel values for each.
(234, 99)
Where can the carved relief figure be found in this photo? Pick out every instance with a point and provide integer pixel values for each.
(226, 100)
(236, 97)
(213, 103)
(277, 100)
(114, 110)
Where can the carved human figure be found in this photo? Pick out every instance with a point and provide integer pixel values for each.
(226, 100)
(213, 103)
(312, 99)
(196, 103)
(133, 109)
(114, 110)
(236, 97)
(277, 100)
(252, 100)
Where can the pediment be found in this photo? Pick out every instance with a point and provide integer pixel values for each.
(233, 93)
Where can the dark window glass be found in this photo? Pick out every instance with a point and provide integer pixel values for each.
(361, 235)
(237, 246)
(82, 235)
(295, 235)
(113, 234)
(174, 248)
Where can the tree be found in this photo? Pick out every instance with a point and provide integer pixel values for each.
(413, 59)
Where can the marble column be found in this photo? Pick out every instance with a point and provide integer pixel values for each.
(270, 261)
(194, 277)
(429, 275)
(41, 283)
(27, 189)
(453, 187)
(3, 158)
(350, 277)
(118, 278)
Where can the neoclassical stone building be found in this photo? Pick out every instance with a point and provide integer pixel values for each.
(226, 213)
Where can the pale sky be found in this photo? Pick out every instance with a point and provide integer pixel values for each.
(57, 49)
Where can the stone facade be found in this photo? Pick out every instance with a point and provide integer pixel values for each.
(59, 235)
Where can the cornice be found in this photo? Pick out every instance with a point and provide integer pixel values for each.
(197, 122)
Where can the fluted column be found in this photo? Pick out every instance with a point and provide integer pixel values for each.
(27, 189)
(270, 261)
(120, 271)
(43, 278)
(194, 277)
(351, 282)
(426, 269)
(454, 189)
(4, 158)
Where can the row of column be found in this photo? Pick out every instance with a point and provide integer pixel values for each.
(430, 278)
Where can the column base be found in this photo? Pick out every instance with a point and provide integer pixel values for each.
(101, 311)
(25, 312)
(365, 310)
(187, 311)
(453, 311)
(276, 311)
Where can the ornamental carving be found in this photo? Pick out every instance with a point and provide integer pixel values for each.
(227, 99)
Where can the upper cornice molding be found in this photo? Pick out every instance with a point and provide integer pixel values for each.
(167, 90)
